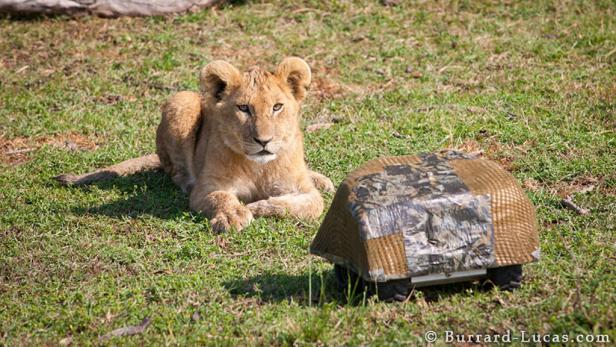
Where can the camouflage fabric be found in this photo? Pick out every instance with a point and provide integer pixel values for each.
(453, 234)
(445, 227)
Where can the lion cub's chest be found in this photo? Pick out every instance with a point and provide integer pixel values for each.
(262, 187)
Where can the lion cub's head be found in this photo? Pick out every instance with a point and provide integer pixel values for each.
(256, 112)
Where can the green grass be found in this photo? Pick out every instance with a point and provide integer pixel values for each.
(532, 84)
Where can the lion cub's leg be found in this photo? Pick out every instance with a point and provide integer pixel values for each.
(176, 137)
(222, 208)
(307, 205)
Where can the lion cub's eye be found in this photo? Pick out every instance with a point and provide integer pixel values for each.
(244, 108)
(277, 107)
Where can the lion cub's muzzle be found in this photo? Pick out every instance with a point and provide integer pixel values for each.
(262, 150)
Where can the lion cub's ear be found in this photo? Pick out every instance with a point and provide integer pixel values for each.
(296, 72)
(218, 76)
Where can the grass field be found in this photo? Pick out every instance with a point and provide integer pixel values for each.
(532, 84)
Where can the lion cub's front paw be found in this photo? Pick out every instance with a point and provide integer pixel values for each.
(322, 182)
(265, 208)
(236, 217)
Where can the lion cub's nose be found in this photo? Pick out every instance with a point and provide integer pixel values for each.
(262, 142)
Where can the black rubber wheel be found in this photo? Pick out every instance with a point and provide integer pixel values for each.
(394, 290)
(507, 277)
(351, 285)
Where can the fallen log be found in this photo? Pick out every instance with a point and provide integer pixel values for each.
(103, 8)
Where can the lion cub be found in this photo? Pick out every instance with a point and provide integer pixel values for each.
(236, 148)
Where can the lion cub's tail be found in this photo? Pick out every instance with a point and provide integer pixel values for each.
(127, 167)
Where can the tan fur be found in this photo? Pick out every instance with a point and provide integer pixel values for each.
(211, 148)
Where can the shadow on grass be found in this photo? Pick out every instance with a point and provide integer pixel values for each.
(277, 287)
(148, 193)
(32, 17)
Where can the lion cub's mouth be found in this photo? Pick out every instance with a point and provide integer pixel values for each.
(262, 156)
(264, 152)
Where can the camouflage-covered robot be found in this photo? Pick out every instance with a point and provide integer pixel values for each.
(402, 222)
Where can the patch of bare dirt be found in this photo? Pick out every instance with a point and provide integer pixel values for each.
(565, 189)
(318, 126)
(15, 151)
(469, 146)
(324, 83)
(491, 149)
(72, 141)
(18, 150)
(532, 184)
(581, 184)
(324, 88)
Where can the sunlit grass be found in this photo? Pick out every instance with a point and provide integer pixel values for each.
(530, 84)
